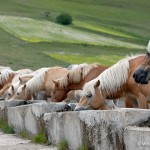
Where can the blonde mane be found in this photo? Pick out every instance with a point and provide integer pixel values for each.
(112, 78)
(5, 74)
(148, 47)
(75, 75)
(37, 81)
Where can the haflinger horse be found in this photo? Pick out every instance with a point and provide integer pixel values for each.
(142, 73)
(21, 80)
(14, 86)
(9, 77)
(41, 82)
(6, 75)
(74, 80)
(115, 82)
(75, 66)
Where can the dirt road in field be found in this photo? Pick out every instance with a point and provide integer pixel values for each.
(12, 142)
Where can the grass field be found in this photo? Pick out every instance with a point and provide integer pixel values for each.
(102, 32)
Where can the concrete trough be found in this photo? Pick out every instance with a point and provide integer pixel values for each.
(100, 130)
(137, 138)
(5, 104)
(30, 117)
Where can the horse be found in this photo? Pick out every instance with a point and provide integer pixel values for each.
(16, 75)
(75, 66)
(22, 80)
(115, 82)
(142, 73)
(6, 75)
(74, 80)
(40, 82)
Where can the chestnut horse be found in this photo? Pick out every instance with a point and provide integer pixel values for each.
(115, 82)
(40, 82)
(142, 73)
(8, 79)
(22, 80)
(74, 80)
(6, 75)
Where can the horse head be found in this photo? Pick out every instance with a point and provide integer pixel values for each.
(59, 93)
(92, 98)
(21, 93)
(10, 92)
(142, 73)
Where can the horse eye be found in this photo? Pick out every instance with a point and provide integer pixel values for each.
(9, 94)
(17, 93)
(89, 95)
(53, 92)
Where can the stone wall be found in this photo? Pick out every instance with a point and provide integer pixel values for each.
(100, 130)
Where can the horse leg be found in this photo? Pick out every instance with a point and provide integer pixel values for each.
(142, 102)
(128, 102)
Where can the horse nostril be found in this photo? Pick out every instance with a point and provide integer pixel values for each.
(134, 75)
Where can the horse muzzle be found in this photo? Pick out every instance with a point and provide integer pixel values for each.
(79, 108)
(140, 76)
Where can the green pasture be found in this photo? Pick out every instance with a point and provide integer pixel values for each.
(102, 32)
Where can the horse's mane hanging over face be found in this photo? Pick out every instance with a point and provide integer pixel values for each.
(75, 76)
(89, 87)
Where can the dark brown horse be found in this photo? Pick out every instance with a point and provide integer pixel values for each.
(115, 82)
(142, 73)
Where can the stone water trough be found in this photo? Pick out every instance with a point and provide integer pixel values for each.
(117, 129)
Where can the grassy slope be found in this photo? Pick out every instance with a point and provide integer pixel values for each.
(121, 20)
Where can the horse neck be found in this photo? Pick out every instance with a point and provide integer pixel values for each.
(11, 76)
(36, 84)
(3, 90)
(94, 72)
(28, 94)
(134, 63)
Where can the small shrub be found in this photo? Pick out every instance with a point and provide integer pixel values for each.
(62, 145)
(24, 135)
(39, 138)
(6, 128)
(64, 19)
(2, 123)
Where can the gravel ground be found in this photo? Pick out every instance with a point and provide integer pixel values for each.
(12, 142)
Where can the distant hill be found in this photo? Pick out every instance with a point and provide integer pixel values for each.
(102, 31)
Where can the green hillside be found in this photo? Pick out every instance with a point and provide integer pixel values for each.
(102, 31)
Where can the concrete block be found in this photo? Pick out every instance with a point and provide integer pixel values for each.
(30, 117)
(101, 130)
(5, 104)
(137, 138)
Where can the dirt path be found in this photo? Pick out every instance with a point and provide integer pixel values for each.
(12, 142)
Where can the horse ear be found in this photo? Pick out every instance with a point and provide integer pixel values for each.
(97, 84)
(56, 83)
(20, 80)
(12, 87)
(81, 71)
(24, 86)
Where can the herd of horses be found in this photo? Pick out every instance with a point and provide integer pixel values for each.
(126, 79)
